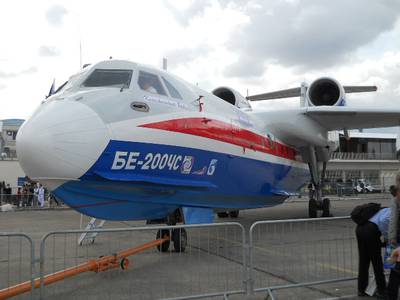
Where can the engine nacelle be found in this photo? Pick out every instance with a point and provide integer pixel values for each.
(326, 91)
(233, 97)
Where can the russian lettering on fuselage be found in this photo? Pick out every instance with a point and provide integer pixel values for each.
(124, 160)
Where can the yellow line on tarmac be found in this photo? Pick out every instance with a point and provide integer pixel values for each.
(332, 267)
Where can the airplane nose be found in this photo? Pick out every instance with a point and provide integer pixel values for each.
(60, 142)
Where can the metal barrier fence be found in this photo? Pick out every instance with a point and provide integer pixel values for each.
(211, 249)
(363, 156)
(218, 261)
(28, 200)
(17, 261)
(301, 252)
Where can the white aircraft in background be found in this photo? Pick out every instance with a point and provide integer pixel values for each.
(124, 141)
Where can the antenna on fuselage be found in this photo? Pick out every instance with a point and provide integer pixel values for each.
(164, 63)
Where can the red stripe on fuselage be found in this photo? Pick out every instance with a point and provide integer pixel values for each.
(225, 132)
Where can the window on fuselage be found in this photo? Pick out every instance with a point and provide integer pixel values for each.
(109, 77)
(150, 83)
(171, 89)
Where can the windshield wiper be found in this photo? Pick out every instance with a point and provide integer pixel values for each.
(122, 87)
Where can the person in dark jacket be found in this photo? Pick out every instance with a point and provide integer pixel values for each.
(369, 251)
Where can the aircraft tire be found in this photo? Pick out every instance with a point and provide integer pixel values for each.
(223, 214)
(234, 213)
(164, 247)
(312, 208)
(326, 205)
(179, 237)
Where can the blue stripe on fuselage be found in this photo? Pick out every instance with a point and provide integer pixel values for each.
(133, 180)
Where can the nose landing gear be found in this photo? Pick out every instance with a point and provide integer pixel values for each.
(178, 236)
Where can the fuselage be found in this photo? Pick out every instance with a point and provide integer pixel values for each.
(124, 141)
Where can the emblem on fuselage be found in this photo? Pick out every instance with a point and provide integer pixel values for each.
(187, 164)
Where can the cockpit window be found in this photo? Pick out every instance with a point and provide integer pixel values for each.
(109, 77)
(171, 89)
(150, 83)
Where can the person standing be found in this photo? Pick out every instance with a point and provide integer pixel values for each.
(394, 238)
(19, 196)
(369, 251)
(394, 277)
(40, 195)
(8, 191)
(394, 233)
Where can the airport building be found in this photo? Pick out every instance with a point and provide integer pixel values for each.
(8, 134)
(10, 170)
(364, 156)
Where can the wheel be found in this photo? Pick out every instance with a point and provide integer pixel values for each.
(163, 233)
(124, 263)
(312, 208)
(326, 204)
(223, 214)
(179, 237)
(234, 213)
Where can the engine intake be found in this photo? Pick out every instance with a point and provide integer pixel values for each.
(231, 96)
(326, 91)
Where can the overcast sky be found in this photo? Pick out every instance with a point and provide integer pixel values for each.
(256, 45)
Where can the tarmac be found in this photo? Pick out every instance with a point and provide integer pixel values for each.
(282, 254)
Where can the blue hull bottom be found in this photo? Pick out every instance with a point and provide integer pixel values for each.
(160, 178)
(126, 201)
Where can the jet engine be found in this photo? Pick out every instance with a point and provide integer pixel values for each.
(231, 96)
(325, 91)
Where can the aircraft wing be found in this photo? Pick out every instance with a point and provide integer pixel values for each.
(338, 118)
(295, 92)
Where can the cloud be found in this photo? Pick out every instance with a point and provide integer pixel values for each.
(48, 51)
(55, 15)
(7, 75)
(307, 37)
(196, 9)
(184, 56)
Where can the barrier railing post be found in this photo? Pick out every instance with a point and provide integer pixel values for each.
(220, 241)
(6, 293)
(287, 229)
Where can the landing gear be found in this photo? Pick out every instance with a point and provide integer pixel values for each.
(179, 237)
(222, 214)
(163, 233)
(312, 208)
(232, 213)
(326, 205)
(317, 158)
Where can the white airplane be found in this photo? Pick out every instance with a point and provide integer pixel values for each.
(124, 141)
